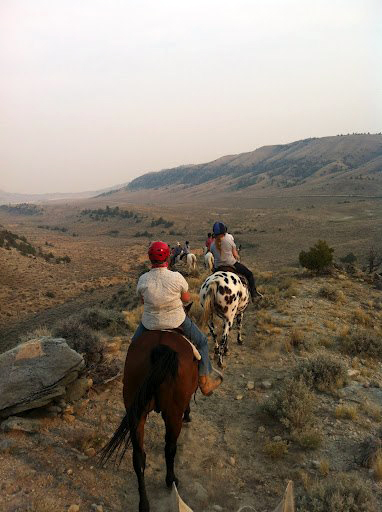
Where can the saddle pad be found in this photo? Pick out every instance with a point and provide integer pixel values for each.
(197, 356)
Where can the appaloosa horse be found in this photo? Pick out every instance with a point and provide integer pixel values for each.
(227, 295)
(161, 374)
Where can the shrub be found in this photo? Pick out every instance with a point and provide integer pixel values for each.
(101, 318)
(362, 343)
(322, 372)
(125, 298)
(310, 438)
(276, 449)
(345, 493)
(80, 338)
(350, 258)
(318, 258)
(332, 294)
(293, 404)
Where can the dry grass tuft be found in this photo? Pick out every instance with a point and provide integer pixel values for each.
(345, 493)
(331, 293)
(36, 333)
(133, 317)
(276, 449)
(360, 317)
(324, 467)
(371, 410)
(346, 412)
(296, 338)
(377, 466)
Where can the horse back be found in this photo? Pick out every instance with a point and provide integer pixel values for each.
(138, 366)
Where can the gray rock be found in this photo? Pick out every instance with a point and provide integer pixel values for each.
(34, 373)
(217, 508)
(199, 491)
(266, 384)
(21, 424)
(6, 445)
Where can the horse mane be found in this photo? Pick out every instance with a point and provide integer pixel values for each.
(164, 363)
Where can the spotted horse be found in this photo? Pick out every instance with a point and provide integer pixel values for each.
(227, 295)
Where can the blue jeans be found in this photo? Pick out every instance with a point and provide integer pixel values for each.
(195, 335)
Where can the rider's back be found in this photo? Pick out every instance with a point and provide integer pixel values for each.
(161, 290)
(225, 256)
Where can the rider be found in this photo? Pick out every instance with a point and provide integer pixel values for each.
(176, 252)
(186, 250)
(163, 293)
(209, 241)
(225, 254)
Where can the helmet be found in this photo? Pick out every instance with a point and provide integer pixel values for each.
(219, 228)
(158, 252)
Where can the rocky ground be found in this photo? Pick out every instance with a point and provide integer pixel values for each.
(232, 453)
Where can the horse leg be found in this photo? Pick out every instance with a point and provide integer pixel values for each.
(239, 320)
(173, 427)
(186, 415)
(223, 348)
(139, 463)
(211, 328)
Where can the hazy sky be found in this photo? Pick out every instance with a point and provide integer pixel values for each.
(96, 92)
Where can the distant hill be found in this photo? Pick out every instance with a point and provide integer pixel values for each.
(343, 164)
(11, 198)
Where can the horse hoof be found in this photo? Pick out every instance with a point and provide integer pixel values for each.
(187, 419)
(169, 482)
(226, 352)
(240, 342)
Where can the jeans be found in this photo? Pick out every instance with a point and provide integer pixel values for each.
(195, 335)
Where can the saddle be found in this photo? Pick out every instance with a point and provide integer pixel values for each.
(228, 268)
(179, 330)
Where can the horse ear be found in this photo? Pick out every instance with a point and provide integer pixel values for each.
(187, 307)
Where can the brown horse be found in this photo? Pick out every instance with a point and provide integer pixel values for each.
(161, 374)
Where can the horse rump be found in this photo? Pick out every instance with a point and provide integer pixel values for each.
(208, 302)
(164, 363)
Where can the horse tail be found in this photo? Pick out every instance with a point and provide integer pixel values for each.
(193, 261)
(209, 300)
(164, 363)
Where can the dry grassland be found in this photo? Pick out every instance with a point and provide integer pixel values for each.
(312, 351)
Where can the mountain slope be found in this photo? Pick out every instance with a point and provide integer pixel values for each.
(349, 164)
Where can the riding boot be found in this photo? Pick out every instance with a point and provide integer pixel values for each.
(255, 294)
(208, 385)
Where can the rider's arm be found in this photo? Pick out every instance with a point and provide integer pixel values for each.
(235, 253)
(185, 296)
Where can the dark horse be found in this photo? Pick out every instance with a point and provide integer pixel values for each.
(161, 374)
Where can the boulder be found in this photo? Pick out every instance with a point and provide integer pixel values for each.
(34, 373)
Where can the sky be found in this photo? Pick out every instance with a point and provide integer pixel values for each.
(96, 92)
